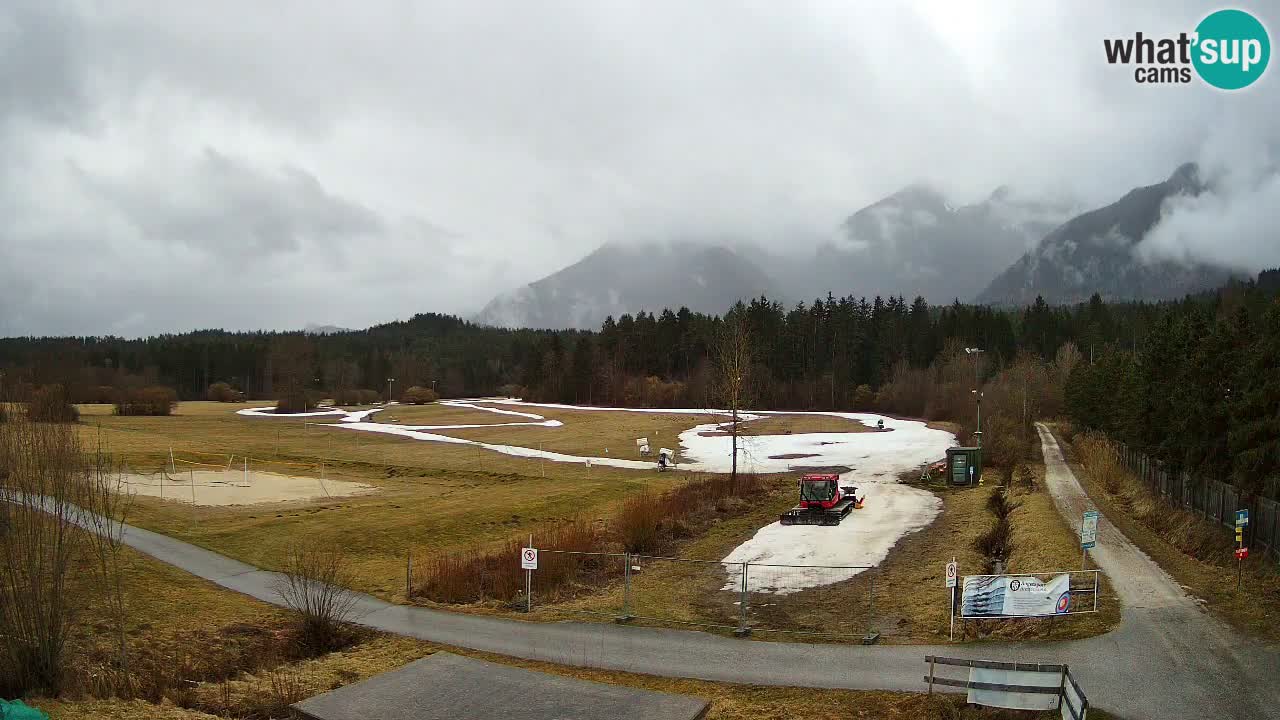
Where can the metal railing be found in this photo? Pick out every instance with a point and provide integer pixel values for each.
(1053, 682)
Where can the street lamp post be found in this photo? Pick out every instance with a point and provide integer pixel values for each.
(389, 381)
(977, 388)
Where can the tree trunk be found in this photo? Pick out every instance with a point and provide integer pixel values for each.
(733, 474)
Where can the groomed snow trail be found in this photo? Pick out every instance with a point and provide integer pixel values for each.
(874, 459)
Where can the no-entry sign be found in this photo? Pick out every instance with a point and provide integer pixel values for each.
(529, 559)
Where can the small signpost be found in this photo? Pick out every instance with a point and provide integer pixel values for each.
(529, 558)
(952, 572)
(529, 563)
(1088, 536)
(1242, 552)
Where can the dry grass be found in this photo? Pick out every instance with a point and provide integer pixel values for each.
(646, 522)
(1039, 540)
(163, 601)
(904, 598)
(473, 576)
(910, 602)
(1185, 530)
(596, 433)
(1253, 609)
(431, 495)
(114, 709)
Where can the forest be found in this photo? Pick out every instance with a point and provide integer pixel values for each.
(1192, 382)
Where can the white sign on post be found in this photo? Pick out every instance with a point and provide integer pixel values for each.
(952, 572)
(1089, 529)
(529, 559)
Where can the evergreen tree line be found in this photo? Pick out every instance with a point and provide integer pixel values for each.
(1200, 393)
(1191, 382)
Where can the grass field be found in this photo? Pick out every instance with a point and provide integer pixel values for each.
(585, 432)
(904, 598)
(195, 626)
(431, 496)
(434, 498)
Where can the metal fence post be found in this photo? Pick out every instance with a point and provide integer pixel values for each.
(743, 630)
(626, 615)
(408, 574)
(872, 635)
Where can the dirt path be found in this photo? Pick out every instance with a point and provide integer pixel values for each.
(1164, 628)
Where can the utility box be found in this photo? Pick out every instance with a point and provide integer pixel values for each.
(964, 465)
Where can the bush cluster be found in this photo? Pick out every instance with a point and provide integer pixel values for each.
(418, 395)
(355, 396)
(154, 400)
(223, 392)
(51, 404)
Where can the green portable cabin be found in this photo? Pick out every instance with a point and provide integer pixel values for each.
(964, 465)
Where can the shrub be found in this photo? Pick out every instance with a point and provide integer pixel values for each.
(154, 400)
(418, 395)
(473, 575)
(864, 398)
(314, 585)
(50, 404)
(297, 401)
(640, 522)
(223, 392)
(355, 396)
(102, 395)
(1185, 530)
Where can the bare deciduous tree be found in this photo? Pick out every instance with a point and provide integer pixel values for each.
(54, 504)
(314, 584)
(732, 356)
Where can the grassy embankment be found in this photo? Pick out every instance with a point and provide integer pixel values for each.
(1196, 553)
(231, 644)
(437, 499)
(904, 598)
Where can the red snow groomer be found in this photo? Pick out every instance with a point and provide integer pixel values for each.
(823, 501)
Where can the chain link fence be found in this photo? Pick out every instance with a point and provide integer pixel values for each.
(833, 601)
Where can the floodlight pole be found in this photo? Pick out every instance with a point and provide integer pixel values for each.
(977, 388)
(389, 381)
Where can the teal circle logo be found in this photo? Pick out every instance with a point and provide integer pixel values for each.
(1232, 49)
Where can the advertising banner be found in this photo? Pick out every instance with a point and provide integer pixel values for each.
(992, 596)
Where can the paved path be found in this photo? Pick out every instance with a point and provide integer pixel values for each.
(1167, 660)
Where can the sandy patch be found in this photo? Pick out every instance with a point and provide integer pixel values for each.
(221, 488)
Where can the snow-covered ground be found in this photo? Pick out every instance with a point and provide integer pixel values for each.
(863, 540)
(874, 460)
(270, 411)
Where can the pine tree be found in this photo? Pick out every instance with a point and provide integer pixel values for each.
(1254, 439)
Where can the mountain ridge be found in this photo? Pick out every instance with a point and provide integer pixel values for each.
(1094, 252)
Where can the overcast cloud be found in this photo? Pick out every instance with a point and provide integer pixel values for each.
(168, 166)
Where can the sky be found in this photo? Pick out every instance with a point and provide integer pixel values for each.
(171, 166)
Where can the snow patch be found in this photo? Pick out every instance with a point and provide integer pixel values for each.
(874, 459)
